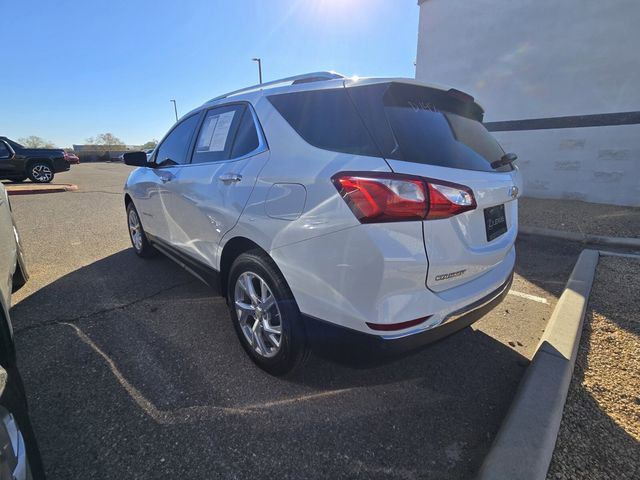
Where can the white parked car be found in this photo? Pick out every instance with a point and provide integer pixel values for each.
(375, 208)
(19, 453)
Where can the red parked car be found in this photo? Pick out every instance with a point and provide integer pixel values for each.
(71, 158)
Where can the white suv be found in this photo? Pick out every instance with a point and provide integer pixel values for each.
(320, 203)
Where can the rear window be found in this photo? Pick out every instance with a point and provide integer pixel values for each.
(424, 125)
(326, 119)
(396, 121)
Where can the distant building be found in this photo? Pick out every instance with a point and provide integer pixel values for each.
(529, 62)
(100, 153)
(94, 148)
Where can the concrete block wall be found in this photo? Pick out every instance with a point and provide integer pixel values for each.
(592, 164)
(544, 59)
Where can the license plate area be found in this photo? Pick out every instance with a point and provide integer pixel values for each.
(495, 222)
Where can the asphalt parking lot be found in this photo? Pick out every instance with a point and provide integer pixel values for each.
(133, 369)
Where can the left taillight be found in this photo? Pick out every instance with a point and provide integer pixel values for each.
(389, 197)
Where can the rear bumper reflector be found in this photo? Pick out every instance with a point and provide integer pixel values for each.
(388, 327)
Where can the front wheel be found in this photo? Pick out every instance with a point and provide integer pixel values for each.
(139, 240)
(265, 315)
(40, 172)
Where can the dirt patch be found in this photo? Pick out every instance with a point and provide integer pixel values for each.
(599, 436)
(583, 217)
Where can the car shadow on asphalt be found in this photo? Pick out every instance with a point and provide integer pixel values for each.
(146, 340)
(123, 282)
(551, 272)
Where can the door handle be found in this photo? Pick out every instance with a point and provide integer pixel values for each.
(230, 178)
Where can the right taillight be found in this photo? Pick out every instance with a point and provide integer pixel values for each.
(447, 200)
(389, 197)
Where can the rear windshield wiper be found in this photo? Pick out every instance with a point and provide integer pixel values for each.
(506, 159)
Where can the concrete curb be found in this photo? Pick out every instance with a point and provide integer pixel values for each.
(37, 189)
(624, 242)
(524, 445)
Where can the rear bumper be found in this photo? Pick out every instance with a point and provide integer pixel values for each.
(323, 334)
(61, 165)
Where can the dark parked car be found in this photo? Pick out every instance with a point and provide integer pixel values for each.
(19, 454)
(18, 163)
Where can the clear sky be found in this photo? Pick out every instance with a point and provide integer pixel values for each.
(76, 68)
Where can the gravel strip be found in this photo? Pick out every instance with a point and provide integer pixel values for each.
(582, 217)
(599, 436)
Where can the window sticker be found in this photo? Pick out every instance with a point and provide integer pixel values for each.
(215, 132)
(207, 131)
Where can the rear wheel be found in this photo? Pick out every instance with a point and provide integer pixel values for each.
(265, 314)
(139, 240)
(40, 172)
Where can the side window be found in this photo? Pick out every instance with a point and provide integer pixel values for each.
(326, 119)
(174, 149)
(4, 151)
(217, 133)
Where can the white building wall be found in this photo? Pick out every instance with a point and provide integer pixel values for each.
(524, 59)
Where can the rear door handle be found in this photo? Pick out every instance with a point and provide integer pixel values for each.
(230, 178)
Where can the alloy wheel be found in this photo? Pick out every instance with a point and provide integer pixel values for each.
(135, 229)
(41, 173)
(258, 314)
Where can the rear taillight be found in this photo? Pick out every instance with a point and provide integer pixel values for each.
(448, 200)
(389, 197)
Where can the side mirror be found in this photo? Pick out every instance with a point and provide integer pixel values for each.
(136, 159)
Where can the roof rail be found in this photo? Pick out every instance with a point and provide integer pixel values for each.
(304, 78)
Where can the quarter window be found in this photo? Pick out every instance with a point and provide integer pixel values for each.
(174, 149)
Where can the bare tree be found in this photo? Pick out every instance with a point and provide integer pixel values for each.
(105, 140)
(33, 141)
(149, 145)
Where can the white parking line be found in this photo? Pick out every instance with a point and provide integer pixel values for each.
(529, 297)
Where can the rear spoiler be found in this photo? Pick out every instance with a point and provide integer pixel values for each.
(465, 97)
(429, 97)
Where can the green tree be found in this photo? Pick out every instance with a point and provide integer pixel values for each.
(150, 144)
(33, 141)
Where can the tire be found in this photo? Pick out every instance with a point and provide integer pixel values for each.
(15, 401)
(40, 172)
(258, 335)
(139, 240)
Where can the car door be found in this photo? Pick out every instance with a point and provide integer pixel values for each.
(209, 193)
(8, 248)
(151, 185)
